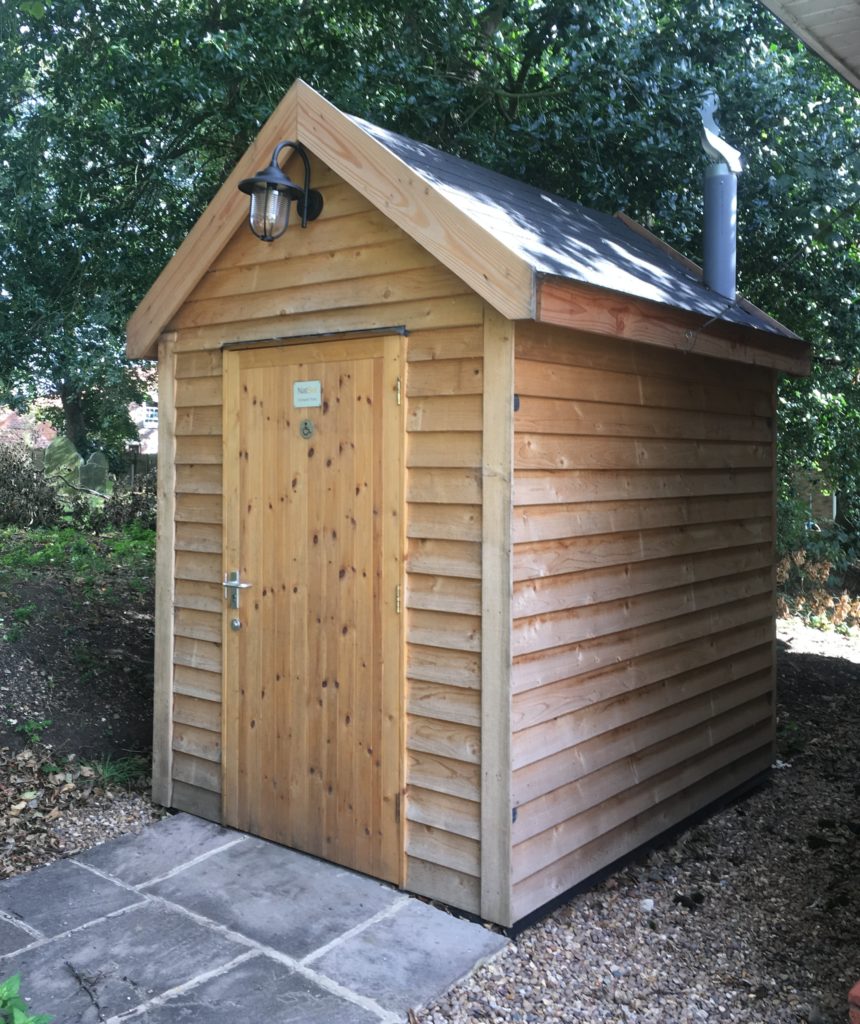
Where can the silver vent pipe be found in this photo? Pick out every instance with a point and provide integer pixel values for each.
(721, 204)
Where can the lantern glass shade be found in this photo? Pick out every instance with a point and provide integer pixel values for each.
(270, 212)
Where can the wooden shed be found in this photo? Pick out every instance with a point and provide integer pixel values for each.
(500, 472)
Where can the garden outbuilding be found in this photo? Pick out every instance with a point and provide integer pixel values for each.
(489, 477)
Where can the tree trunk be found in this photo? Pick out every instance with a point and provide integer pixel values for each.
(75, 427)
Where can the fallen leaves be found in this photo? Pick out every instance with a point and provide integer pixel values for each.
(37, 791)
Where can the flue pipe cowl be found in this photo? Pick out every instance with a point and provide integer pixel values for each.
(721, 204)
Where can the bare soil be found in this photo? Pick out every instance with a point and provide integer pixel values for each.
(80, 660)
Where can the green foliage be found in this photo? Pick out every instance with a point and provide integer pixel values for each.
(88, 561)
(26, 497)
(144, 109)
(13, 1009)
(32, 729)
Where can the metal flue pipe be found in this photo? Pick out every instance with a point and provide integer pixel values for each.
(721, 204)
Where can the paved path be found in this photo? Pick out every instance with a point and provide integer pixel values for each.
(190, 923)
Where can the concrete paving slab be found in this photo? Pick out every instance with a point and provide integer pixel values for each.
(282, 899)
(118, 963)
(260, 989)
(161, 848)
(61, 896)
(408, 958)
(12, 937)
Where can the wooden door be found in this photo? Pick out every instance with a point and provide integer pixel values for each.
(312, 674)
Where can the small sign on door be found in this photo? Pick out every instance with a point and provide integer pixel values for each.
(307, 394)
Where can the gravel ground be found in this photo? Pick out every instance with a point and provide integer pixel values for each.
(751, 916)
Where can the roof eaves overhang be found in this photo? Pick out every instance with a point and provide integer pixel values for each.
(497, 273)
(831, 30)
(584, 307)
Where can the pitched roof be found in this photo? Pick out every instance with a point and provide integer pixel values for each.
(527, 253)
(565, 239)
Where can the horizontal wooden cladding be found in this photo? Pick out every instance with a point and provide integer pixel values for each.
(443, 594)
(445, 377)
(196, 565)
(596, 418)
(444, 486)
(445, 703)
(201, 421)
(457, 343)
(444, 629)
(196, 771)
(534, 670)
(202, 654)
(198, 364)
(561, 452)
(197, 625)
(429, 282)
(595, 735)
(539, 487)
(552, 845)
(444, 522)
(445, 739)
(647, 761)
(328, 234)
(457, 668)
(582, 307)
(197, 682)
(557, 629)
(453, 449)
(596, 586)
(445, 413)
(204, 597)
(199, 508)
(199, 449)
(665, 676)
(446, 848)
(545, 344)
(577, 737)
(444, 558)
(195, 536)
(442, 811)
(543, 380)
(573, 554)
(197, 712)
(437, 882)
(200, 802)
(200, 743)
(585, 860)
(551, 522)
(337, 264)
(443, 774)
(198, 479)
(420, 314)
(198, 391)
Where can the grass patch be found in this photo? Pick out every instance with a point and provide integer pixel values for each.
(89, 561)
(120, 771)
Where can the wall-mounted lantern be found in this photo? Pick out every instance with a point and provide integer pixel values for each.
(272, 193)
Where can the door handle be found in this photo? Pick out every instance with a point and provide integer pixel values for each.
(232, 585)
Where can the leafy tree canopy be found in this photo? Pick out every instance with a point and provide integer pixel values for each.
(120, 120)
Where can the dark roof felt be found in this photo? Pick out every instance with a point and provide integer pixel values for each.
(562, 238)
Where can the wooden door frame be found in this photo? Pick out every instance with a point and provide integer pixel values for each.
(331, 348)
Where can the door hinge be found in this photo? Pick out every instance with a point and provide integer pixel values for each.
(397, 598)
(398, 391)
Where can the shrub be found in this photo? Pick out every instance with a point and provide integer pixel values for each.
(26, 497)
(13, 1009)
(123, 507)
